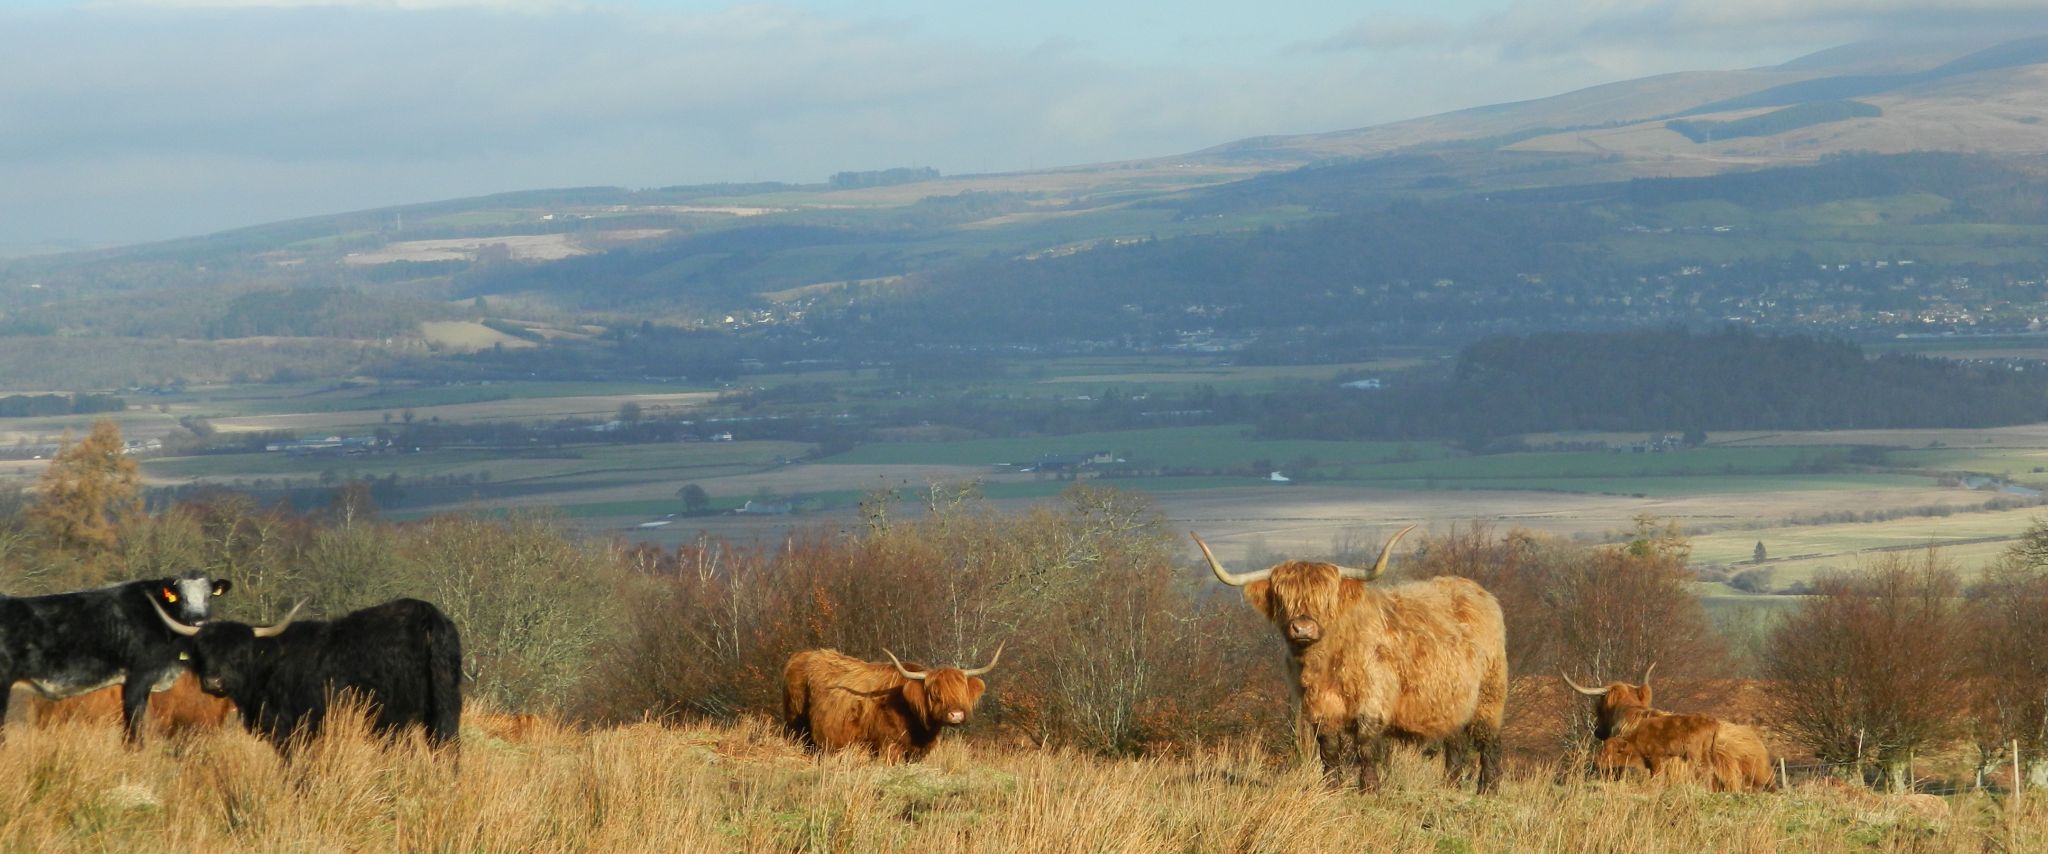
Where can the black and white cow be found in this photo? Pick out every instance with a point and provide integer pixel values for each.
(403, 657)
(65, 644)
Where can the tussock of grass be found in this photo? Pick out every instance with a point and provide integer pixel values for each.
(743, 787)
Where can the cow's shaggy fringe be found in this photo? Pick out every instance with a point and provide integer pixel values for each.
(744, 787)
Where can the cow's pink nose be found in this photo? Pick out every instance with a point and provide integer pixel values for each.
(955, 716)
(1303, 630)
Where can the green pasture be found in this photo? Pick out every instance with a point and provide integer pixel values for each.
(568, 465)
(1197, 447)
(2024, 466)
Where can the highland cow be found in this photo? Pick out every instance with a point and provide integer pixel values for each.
(1422, 663)
(835, 701)
(403, 658)
(1634, 735)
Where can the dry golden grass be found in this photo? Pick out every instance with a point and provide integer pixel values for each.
(743, 787)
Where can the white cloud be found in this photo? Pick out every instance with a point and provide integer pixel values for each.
(150, 118)
(1391, 31)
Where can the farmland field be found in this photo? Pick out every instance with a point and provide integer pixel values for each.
(1739, 488)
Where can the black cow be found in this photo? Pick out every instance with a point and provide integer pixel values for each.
(65, 644)
(403, 657)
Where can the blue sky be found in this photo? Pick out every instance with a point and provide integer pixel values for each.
(127, 120)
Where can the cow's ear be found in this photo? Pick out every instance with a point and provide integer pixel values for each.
(913, 693)
(1350, 590)
(1646, 696)
(222, 586)
(974, 688)
(168, 593)
(1259, 593)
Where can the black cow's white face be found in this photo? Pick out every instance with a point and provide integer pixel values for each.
(188, 598)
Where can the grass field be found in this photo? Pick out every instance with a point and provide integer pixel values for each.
(745, 788)
(1207, 447)
(504, 466)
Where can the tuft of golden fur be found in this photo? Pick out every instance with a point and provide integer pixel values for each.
(836, 701)
(1422, 663)
(1741, 761)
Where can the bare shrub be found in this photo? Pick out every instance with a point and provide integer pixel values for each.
(1868, 666)
(2008, 655)
(1599, 612)
(1108, 647)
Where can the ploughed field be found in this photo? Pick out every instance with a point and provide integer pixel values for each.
(745, 787)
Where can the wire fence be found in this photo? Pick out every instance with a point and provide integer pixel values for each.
(1860, 771)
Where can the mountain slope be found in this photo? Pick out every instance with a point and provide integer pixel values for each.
(1927, 94)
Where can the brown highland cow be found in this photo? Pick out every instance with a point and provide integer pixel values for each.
(1421, 663)
(1635, 736)
(894, 710)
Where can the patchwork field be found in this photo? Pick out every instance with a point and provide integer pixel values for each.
(578, 406)
(1741, 488)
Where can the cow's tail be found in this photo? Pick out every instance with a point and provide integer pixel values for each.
(444, 683)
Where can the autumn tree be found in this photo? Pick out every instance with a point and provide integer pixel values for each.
(1867, 667)
(2008, 651)
(88, 494)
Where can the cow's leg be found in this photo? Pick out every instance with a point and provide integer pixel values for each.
(1371, 738)
(1330, 747)
(1457, 752)
(1484, 739)
(135, 705)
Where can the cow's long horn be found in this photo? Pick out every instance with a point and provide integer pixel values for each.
(1590, 692)
(173, 625)
(1646, 673)
(991, 665)
(1224, 575)
(272, 631)
(906, 673)
(1386, 551)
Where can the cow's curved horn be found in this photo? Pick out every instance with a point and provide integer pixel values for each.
(991, 665)
(1646, 673)
(906, 673)
(1224, 575)
(272, 631)
(1590, 692)
(175, 626)
(1386, 551)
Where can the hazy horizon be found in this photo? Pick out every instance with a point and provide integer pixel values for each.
(137, 120)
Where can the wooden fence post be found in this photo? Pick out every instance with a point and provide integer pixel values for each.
(2018, 782)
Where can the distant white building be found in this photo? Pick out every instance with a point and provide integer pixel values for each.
(1372, 383)
(1277, 477)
